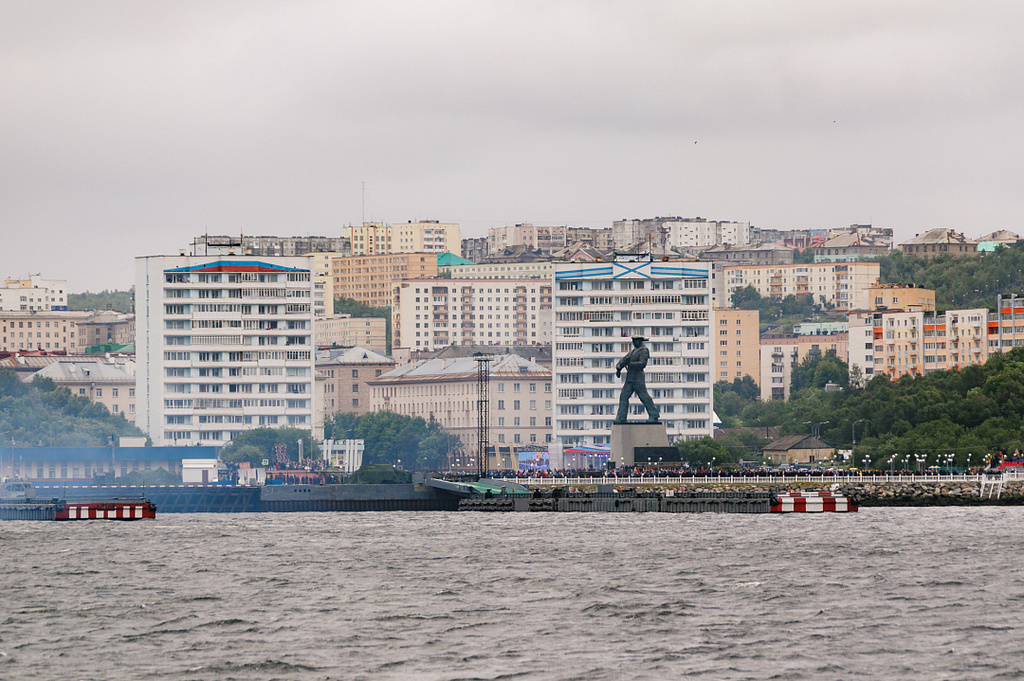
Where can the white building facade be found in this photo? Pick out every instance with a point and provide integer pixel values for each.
(34, 293)
(223, 345)
(597, 308)
(430, 314)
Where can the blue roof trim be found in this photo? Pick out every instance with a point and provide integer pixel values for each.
(583, 273)
(236, 263)
(665, 270)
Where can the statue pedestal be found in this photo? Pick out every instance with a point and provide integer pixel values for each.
(632, 434)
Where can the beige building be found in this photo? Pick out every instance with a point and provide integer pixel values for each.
(798, 449)
(425, 236)
(430, 314)
(899, 297)
(446, 391)
(737, 346)
(780, 354)
(370, 279)
(111, 384)
(346, 331)
(54, 331)
(840, 284)
(102, 328)
(938, 242)
(343, 379)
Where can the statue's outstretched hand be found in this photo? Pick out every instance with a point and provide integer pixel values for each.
(618, 373)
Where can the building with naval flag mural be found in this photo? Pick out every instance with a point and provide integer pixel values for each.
(598, 307)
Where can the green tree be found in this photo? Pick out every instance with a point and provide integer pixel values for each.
(265, 440)
(118, 301)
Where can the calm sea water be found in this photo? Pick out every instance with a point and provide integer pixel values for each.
(933, 593)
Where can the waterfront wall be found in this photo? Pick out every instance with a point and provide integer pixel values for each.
(938, 493)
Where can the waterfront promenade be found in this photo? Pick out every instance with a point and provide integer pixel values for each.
(742, 480)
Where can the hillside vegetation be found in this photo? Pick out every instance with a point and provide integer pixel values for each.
(42, 413)
(964, 414)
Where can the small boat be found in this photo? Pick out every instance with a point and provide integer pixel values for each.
(17, 503)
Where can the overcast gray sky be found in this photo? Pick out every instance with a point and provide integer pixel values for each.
(127, 128)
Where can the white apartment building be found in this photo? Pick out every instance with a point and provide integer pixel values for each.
(597, 308)
(34, 293)
(430, 314)
(681, 234)
(843, 285)
(223, 345)
(782, 353)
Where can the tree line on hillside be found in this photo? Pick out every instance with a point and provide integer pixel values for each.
(960, 282)
(118, 301)
(958, 416)
(42, 413)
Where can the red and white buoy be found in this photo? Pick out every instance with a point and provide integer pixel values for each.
(813, 502)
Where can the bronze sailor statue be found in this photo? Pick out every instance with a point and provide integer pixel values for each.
(634, 363)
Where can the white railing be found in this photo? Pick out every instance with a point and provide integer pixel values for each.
(740, 480)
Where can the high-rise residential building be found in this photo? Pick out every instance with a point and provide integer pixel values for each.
(915, 341)
(679, 234)
(423, 236)
(597, 308)
(370, 279)
(426, 236)
(34, 294)
(430, 314)
(223, 345)
(842, 285)
(736, 344)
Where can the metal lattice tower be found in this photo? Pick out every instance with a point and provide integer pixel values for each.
(483, 410)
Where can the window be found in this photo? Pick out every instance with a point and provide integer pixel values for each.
(99, 392)
(355, 373)
(515, 404)
(113, 392)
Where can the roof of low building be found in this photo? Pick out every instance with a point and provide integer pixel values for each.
(87, 370)
(449, 259)
(503, 366)
(791, 442)
(354, 355)
(940, 236)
